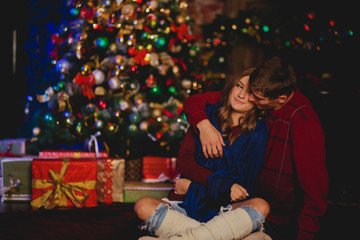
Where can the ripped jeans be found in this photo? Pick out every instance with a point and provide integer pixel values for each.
(153, 223)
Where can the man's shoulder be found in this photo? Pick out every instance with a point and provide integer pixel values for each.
(300, 108)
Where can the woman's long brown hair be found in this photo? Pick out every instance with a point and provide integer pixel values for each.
(248, 122)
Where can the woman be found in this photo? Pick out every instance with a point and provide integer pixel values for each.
(230, 178)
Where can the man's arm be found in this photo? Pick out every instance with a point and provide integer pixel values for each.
(309, 156)
(194, 106)
(186, 163)
(211, 139)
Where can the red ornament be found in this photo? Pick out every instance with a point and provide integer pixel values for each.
(87, 13)
(159, 135)
(139, 57)
(182, 32)
(132, 51)
(102, 104)
(169, 81)
(56, 39)
(86, 82)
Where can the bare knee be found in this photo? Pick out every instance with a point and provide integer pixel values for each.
(145, 207)
(261, 205)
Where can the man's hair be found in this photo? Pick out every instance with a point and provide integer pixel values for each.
(274, 77)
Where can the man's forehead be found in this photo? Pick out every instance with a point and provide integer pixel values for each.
(257, 93)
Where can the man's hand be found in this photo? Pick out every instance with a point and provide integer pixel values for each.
(211, 139)
(181, 186)
(238, 192)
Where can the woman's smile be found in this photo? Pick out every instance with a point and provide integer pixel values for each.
(238, 100)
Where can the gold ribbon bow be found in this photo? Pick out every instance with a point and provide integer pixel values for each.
(58, 195)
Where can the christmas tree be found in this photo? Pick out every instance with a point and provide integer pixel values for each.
(123, 70)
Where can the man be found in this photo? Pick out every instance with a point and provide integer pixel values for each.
(293, 178)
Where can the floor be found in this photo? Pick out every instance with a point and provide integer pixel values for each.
(112, 221)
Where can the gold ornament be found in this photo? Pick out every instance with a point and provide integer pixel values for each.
(100, 91)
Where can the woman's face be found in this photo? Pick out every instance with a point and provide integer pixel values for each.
(239, 96)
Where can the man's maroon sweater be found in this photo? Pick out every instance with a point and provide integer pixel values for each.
(293, 178)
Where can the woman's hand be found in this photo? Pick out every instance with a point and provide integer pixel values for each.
(181, 186)
(238, 192)
(211, 139)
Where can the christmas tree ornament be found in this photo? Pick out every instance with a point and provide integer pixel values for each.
(186, 83)
(114, 83)
(86, 82)
(99, 76)
(135, 117)
(163, 69)
(100, 91)
(176, 70)
(154, 59)
(46, 96)
(153, 4)
(36, 131)
(144, 110)
(132, 128)
(127, 10)
(101, 104)
(63, 100)
(124, 105)
(144, 126)
(102, 42)
(117, 63)
(156, 113)
(63, 66)
(99, 124)
(150, 81)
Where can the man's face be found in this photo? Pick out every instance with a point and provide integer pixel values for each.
(262, 102)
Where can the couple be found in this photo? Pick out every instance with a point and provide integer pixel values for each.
(278, 157)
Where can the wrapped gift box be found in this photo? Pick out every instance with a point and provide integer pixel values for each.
(16, 174)
(135, 190)
(110, 180)
(70, 154)
(158, 169)
(133, 170)
(5, 156)
(15, 146)
(64, 183)
(110, 173)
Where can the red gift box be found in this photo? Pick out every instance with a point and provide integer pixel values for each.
(70, 154)
(158, 169)
(64, 183)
